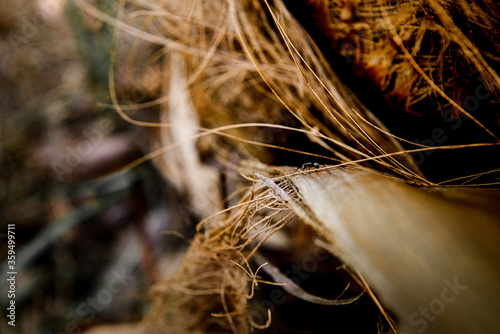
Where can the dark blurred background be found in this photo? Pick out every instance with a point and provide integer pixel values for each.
(88, 240)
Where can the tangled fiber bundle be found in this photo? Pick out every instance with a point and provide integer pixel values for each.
(213, 290)
(246, 63)
(425, 56)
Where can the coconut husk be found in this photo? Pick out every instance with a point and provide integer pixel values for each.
(420, 250)
(423, 56)
(257, 92)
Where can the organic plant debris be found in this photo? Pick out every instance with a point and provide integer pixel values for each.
(423, 55)
(219, 155)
